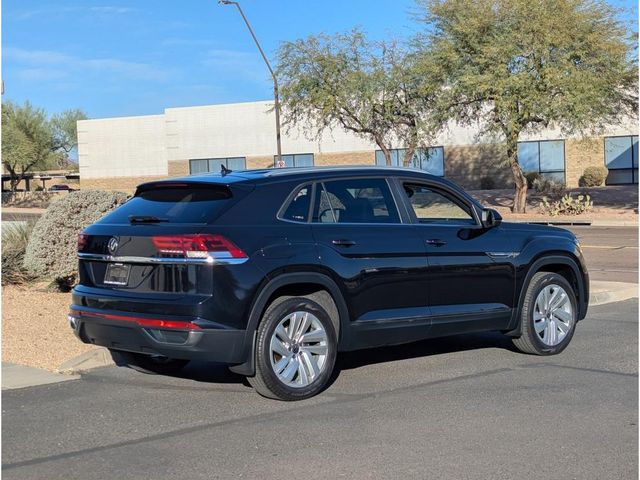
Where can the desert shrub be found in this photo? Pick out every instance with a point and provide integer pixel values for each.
(567, 205)
(52, 249)
(531, 178)
(487, 183)
(15, 237)
(548, 186)
(593, 176)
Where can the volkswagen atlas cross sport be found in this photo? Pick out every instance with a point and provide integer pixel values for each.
(273, 272)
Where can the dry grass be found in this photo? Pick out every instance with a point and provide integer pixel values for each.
(35, 331)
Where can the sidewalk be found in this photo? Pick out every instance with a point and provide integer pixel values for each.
(608, 292)
(20, 376)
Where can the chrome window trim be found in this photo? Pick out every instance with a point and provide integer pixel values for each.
(214, 258)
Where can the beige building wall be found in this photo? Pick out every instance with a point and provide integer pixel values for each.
(259, 161)
(178, 168)
(468, 164)
(119, 184)
(345, 158)
(580, 154)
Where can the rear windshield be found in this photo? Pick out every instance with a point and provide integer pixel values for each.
(174, 204)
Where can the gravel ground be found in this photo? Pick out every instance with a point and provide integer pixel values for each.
(35, 330)
(609, 203)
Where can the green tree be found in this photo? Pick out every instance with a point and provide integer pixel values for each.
(65, 135)
(520, 65)
(369, 88)
(30, 140)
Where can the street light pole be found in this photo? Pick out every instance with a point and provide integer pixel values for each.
(273, 76)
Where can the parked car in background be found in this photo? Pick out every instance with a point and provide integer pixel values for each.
(273, 272)
(61, 188)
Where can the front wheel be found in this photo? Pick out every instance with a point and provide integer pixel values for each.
(295, 350)
(150, 364)
(549, 315)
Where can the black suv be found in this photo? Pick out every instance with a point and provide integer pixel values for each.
(275, 271)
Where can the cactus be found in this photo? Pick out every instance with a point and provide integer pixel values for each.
(567, 205)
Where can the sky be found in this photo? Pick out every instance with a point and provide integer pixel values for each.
(116, 58)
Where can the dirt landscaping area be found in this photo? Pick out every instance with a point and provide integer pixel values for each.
(35, 331)
(617, 203)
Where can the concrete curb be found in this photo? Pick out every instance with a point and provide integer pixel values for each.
(609, 292)
(614, 223)
(20, 376)
(95, 358)
(573, 222)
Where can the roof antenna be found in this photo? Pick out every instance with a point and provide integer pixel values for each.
(224, 170)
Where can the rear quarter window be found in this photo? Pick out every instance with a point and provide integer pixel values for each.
(297, 208)
(175, 204)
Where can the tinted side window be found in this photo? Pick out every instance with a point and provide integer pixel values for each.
(435, 206)
(298, 208)
(363, 200)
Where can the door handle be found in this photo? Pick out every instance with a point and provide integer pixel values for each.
(343, 242)
(436, 242)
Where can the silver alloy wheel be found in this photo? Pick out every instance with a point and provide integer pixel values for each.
(553, 315)
(298, 349)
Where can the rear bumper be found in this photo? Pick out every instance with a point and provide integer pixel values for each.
(183, 340)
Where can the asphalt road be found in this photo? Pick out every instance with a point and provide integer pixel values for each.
(464, 407)
(611, 252)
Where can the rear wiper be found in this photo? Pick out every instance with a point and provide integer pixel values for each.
(146, 219)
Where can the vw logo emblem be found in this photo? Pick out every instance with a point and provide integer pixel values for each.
(112, 246)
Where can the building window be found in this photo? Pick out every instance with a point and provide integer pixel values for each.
(544, 157)
(621, 158)
(431, 159)
(206, 165)
(295, 160)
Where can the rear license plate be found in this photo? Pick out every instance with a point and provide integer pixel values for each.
(117, 274)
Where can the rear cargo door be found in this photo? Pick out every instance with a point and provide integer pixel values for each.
(153, 243)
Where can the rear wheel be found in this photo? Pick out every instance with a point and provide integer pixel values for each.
(295, 350)
(149, 364)
(549, 315)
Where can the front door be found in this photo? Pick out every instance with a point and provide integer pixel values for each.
(380, 259)
(471, 271)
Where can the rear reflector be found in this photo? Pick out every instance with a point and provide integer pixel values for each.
(197, 246)
(143, 322)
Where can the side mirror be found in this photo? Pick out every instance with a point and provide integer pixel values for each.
(491, 218)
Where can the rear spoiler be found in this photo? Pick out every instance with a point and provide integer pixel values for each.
(187, 183)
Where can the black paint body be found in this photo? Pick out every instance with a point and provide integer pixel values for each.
(390, 285)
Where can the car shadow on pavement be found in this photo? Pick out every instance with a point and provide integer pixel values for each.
(208, 372)
(423, 348)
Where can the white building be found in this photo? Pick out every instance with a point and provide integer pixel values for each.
(119, 153)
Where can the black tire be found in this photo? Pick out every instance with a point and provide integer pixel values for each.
(265, 381)
(151, 365)
(529, 341)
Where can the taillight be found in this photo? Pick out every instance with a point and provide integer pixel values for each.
(83, 238)
(197, 246)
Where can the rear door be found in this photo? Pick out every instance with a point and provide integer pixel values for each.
(379, 257)
(471, 271)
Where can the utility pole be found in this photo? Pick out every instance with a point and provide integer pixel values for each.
(276, 97)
